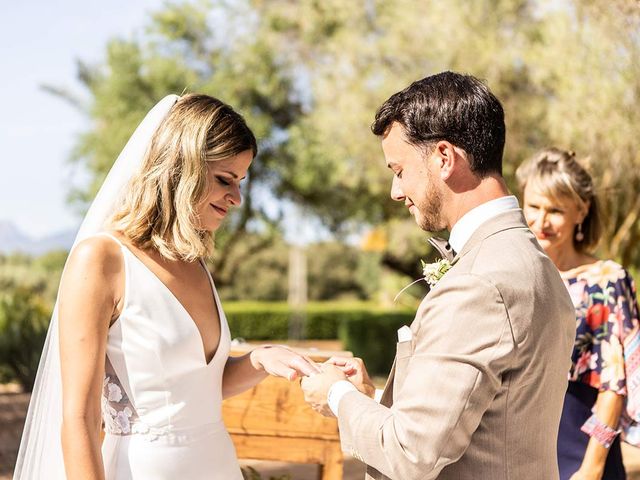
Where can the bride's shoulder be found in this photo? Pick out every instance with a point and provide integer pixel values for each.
(93, 276)
(96, 253)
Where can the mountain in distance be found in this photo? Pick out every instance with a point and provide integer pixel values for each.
(13, 240)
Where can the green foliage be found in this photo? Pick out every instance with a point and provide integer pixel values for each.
(260, 264)
(28, 288)
(51, 262)
(372, 336)
(586, 63)
(41, 275)
(183, 51)
(258, 321)
(559, 68)
(333, 272)
(309, 76)
(365, 329)
(270, 321)
(24, 320)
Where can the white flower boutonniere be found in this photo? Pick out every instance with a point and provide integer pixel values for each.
(432, 272)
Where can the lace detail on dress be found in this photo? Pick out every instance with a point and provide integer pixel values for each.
(118, 414)
(117, 411)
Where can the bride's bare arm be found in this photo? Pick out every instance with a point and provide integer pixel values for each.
(242, 373)
(87, 301)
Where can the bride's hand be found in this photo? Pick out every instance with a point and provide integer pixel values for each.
(280, 361)
(356, 373)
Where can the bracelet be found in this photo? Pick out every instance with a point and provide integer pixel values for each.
(604, 434)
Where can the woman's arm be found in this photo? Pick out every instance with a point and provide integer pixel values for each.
(86, 304)
(608, 410)
(243, 373)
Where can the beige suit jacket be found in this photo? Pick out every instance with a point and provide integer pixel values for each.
(477, 392)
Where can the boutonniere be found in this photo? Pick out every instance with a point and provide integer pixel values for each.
(432, 272)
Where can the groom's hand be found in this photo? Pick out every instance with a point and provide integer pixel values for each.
(316, 388)
(356, 373)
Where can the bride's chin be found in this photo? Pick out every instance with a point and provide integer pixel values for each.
(209, 228)
(214, 227)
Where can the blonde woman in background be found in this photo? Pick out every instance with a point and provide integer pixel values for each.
(561, 208)
(143, 341)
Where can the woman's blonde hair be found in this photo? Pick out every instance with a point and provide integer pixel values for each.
(556, 174)
(160, 208)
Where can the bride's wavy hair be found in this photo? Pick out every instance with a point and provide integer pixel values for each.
(160, 207)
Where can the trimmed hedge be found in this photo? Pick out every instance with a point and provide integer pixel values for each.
(257, 321)
(373, 337)
(366, 330)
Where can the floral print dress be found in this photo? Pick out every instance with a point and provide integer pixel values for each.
(606, 316)
(606, 356)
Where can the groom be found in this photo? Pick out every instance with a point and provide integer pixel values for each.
(479, 378)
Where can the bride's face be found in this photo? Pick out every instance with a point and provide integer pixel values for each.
(224, 177)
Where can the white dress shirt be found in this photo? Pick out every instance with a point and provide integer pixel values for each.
(460, 235)
(470, 221)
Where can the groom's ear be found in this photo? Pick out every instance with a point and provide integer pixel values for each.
(447, 159)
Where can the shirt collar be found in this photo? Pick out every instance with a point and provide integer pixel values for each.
(470, 221)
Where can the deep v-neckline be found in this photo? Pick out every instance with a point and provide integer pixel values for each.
(193, 323)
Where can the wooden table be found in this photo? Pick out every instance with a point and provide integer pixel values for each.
(273, 422)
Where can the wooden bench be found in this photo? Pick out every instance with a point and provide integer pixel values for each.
(273, 422)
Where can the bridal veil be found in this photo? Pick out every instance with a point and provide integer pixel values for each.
(40, 454)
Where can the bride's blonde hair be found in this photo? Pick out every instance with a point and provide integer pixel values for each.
(160, 207)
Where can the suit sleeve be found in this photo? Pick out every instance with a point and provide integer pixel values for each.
(462, 343)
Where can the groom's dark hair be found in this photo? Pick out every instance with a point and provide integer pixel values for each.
(453, 107)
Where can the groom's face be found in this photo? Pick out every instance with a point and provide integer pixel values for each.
(414, 180)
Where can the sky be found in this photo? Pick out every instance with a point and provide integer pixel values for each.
(40, 41)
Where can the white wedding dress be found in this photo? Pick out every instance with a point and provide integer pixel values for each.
(162, 401)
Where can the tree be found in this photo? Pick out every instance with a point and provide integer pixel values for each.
(184, 52)
(567, 74)
(337, 271)
(585, 63)
(310, 74)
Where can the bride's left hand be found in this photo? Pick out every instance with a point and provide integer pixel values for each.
(281, 361)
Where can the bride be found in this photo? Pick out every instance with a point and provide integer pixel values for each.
(138, 340)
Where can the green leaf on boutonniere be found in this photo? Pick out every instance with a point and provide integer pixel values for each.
(433, 272)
